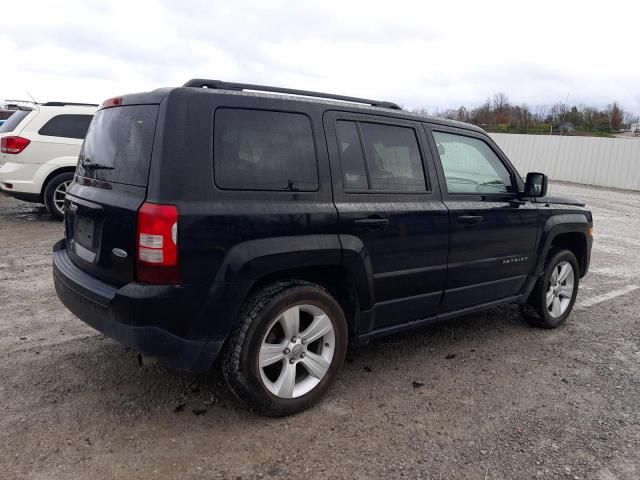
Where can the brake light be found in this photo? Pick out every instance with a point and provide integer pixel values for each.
(157, 244)
(112, 102)
(13, 144)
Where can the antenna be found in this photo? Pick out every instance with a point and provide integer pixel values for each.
(34, 100)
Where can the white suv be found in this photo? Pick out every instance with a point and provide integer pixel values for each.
(39, 147)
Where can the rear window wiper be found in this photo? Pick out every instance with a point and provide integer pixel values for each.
(88, 165)
(291, 186)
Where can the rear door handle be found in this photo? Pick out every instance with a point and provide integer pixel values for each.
(471, 219)
(372, 223)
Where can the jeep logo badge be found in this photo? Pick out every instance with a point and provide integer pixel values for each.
(296, 351)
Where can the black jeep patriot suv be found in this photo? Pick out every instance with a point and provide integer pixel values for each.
(230, 219)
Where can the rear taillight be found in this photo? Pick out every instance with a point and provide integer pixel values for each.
(13, 145)
(157, 244)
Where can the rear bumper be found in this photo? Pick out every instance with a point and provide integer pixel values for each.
(23, 178)
(138, 315)
(25, 197)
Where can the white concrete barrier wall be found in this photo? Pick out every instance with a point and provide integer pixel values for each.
(606, 162)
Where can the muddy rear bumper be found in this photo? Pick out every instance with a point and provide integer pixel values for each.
(147, 318)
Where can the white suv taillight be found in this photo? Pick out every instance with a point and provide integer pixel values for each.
(13, 144)
(157, 244)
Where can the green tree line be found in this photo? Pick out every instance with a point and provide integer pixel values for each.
(499, 114)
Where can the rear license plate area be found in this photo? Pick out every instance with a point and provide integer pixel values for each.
(84, 232)
(85, 238)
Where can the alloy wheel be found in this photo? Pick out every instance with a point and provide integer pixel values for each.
(560, 291)
(58, 196)
(296, 351)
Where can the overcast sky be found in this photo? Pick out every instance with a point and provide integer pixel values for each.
(421, 54)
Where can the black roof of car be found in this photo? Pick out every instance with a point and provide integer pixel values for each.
(216, 87)
(373, 106)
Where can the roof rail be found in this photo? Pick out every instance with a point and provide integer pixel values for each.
(17, 101)
(64, 104)
(25, 108)
(220, 85)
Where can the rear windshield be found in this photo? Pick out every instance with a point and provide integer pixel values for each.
(118, 145)
(13, 121)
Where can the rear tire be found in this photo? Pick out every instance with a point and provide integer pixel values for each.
(54, 193)
(287, 349)
(554, 295)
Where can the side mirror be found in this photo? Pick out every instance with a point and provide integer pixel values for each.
(536, 185)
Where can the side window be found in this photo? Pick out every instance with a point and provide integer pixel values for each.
(13, 121)
(354, 171)
(470, 166)
(68, 126)
(264, 150)
(391, 159)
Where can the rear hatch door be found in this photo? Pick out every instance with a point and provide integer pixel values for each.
(109, 188)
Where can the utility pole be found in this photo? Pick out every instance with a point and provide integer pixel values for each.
(564, 113)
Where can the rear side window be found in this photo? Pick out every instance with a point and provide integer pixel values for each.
(391, 159)
(354, 170)
(13, 121)
(118, 145)
(68, 126)
(264, 150)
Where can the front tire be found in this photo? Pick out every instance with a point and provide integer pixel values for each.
(287, 348)
(55, 192)
(554, 295)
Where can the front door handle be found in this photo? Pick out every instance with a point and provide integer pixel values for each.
(372, 223)
(471, 219)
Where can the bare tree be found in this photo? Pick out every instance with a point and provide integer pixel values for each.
(629, 118)
(615, 115)
(423, 112)
(462, 114)
(590, 117)
(500, 102)
(449, 114)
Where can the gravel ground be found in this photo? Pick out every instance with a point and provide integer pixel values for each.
(482, 397)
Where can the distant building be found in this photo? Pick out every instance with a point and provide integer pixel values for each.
(566, 127)
(635, 127)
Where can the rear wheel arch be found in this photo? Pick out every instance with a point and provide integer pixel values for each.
(342, 269)
(336, 279)
(54, 191)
